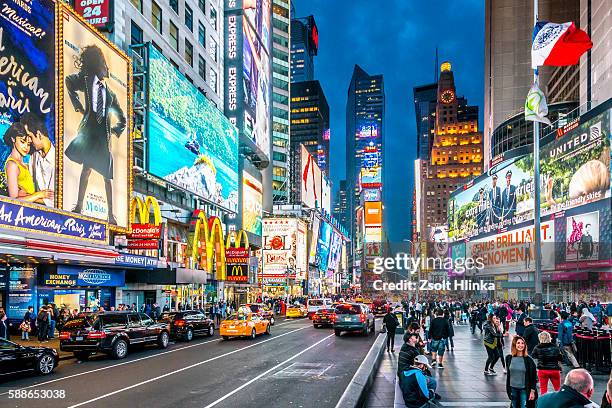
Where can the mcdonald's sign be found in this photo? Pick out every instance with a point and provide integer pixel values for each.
(142, 208)
(238, 273)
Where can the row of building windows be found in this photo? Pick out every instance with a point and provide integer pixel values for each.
(305, 109)
(299, 121)
(300, 98)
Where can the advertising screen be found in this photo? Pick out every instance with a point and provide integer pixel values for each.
(97, 103)
(191, 143)
(27, 111)
(371, 178)
(575, 171)
(367, 130)
(369, 159)
(373, 213)
(323, 244)
(256, 71)
(373, 234)
(312, 251)
(95, 12)
(326, 194)
(335, 252)
(311, 180)
(581, 237)
(22, 291)
(252, 202)
(372, 194)
(279, 247)
(301, 251)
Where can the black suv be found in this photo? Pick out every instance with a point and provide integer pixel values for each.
(111, 333)
(185, 324)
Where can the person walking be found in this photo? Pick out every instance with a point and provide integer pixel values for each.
(520, 323)
(391, 323)
(549, 360)
(530, 334)
(53, 316)
(586, 319)
(501, 344)
(492, 336)
(438, 334)
(451, 330)
(576, 391)
(26, 325)
(42, 324)
(566, 339)
(521, 378)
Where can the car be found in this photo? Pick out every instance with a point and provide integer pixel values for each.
(244, 325)
(323, 317)
(381, 307)
(315, 304)
(15, 358)
(296, 310)
(353, 317)
(263, 310)
(112, 333)
(185, 324)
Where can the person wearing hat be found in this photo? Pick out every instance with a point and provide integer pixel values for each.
(508, 198)
(495, 200)
(418, 388)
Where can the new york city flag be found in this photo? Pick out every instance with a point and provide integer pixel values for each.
(558, 44)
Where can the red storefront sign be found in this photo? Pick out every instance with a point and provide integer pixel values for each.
(95, 12)
(145, 231)
(143, 244)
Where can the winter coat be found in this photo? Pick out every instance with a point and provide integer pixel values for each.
(490, 333)
(391, 322)
(406, 357)
(439, 328)
(548, 356)
(567, 397)
(414, 388)
(531, 337)
(531, 378)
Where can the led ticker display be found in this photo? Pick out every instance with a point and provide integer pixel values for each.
(368, 130)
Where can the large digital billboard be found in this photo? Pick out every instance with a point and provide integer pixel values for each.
(191, 143)
(27, 108)
(311, 179)
(252, 203)
(96, 89)
(301, 250)
(367, 130)
(371, 178)
(373, 213)
(575, 170)
(314, 237)
(335, 252)
(323, 244)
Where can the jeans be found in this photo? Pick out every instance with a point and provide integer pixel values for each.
(492, 357)
(545, 375)
(390, 339)
(518, 397)
(438, 346)
(52, 329)
(25, 335)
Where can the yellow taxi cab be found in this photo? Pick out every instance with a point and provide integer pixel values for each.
(296, 311)
(243, 324)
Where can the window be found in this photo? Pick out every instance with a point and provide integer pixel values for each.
(202, 35)
(202, 67)
(212, 50)
(174, 36)
(279, 156)
(188, 17)
(156, 16)
(213, 80)
(279, 172)
(174, 5)
(202, 6)
(136, 34)
(137, 4)
(213, 17)
(188, 52)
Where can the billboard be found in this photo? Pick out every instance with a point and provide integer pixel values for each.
(98, 13)
(301, 251)
(371, 178)
(252, 203)
(372, 194)
(326, 194)
(335, 253)
(314, 237)
(27, 108)
(279, 242)
(581, 237)
(367, 130)
(373, 234)
(323, 244)
(191, 143)
(373, 213)
(575, 170)
(311, 190)
(96, 89)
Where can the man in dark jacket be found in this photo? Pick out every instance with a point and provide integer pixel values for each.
(576, 392)
(391, 323)
(417, 387)
(530, 335)
(438, 333)
(407, 353)
(520, 322)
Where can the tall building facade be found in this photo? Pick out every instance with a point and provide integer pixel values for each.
(365, 113)
(304, 46)
(508, 73)
(310, 127)
(340, 201)
(455, 157)
(425, 98)
(281, 58)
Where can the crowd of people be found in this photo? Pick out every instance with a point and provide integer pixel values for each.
(533, 362)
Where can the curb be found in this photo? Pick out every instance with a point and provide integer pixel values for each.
(355, 394)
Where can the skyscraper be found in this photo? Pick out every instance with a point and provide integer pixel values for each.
(339, 209)
(425, 98)
(304, 46)
(280, 100)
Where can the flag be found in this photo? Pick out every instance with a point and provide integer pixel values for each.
(535, 105)
(558, 44)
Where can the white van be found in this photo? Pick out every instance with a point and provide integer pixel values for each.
(315, 304)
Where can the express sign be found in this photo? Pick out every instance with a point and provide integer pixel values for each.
(95, 12)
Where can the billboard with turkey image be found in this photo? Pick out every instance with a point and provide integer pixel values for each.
(311, 179)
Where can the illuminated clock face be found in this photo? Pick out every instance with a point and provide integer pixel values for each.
(447, 96)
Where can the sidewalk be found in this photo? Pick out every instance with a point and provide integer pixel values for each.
(462, 380)
(52, 343)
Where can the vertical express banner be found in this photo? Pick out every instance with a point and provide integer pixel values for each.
(95, 79)
(27, 101)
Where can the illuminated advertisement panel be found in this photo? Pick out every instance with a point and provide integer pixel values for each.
(191, 143)
(371, 178)
(310, 180)
(367, 130)
(323, 244)
(279, 235)
(373, 234)
(335, 252)
(96, 90)
(252, 203)
(98, 13)
(326, 194)
(301, 251)
(372, 194)
(312, 252)
(373, 213)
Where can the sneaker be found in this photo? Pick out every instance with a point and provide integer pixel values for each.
(433, 364)
(504, 370)
(487, 372)
(491, 372)
(440, 365)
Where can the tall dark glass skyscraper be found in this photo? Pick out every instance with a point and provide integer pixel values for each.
(425, 98)
(304, 46)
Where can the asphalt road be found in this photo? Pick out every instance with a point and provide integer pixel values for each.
(297, 366)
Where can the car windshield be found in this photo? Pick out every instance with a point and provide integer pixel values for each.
(254, 308)
(315, 302)
(237, 317)
(114, 320)
(167, 317)
(348, 309)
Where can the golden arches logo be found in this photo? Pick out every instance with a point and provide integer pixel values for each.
(238, 237)
(143, 209)
(206, 244)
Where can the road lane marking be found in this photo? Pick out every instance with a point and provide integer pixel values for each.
(127, 362)
(266, 372)
(182, 369)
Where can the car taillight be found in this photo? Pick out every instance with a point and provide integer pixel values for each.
(332, 316)
(179, 323)
(64, 336)
(315, 316)
(96, 335)
(362, 317)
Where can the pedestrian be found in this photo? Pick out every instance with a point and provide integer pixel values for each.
(586, 319)
(451, 330)
(4, 332)
(492, 336)
(530, 334)
(42, 324)
(407, 353)
(26, 325)
(576, 391)
(417, 385)
(520, 322)
(438, 334)
(566, 339)
(522, 376)
(166, 307)
(391, 323)
(500, 346)
(549, 360)
(53, 316)
(606, 401)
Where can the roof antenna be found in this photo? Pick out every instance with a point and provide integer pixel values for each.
(436, 67)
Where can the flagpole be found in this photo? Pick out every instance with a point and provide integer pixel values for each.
(536, 179)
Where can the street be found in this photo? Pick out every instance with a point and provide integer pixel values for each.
(299, 365)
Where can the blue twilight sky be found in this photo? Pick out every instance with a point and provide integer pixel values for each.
(396, 38)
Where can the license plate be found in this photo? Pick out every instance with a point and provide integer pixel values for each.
(231, 327)
(347, 319)
(79, 338)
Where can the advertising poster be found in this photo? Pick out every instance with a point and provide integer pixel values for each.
(367, 130)
(97, 105)
(373, 234)
(256, 71)
(314, 240)
(372, 194)
(191, 143)
(98, 13)
(326, 194)
(22, 291)
(301, 251)
(252, 203)
(323, 245)
(310, 180)
(371, 178)
(582, 237)
(27, 102)
(335, 252)
(373, 213)
(279, 243)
